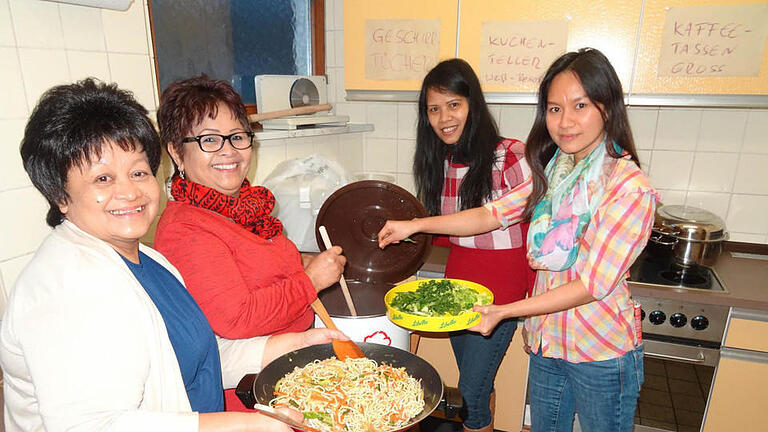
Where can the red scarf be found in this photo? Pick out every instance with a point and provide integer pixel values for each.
(251, 209)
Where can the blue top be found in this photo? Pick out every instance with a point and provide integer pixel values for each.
(189, 331)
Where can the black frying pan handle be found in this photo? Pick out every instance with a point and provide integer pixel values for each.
(244, 390)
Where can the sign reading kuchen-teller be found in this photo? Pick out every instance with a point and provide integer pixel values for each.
(401, 49)
(708, 41)
(518, 53)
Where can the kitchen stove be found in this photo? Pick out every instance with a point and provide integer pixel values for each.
(682, 344)
(679, 318)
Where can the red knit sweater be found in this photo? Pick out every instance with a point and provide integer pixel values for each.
(246, 286)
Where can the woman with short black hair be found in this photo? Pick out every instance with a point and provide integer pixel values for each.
(99, 332)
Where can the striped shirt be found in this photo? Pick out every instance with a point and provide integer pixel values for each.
(509, 170)
(605, 328)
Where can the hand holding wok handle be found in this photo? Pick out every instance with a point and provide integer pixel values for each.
(342, 281)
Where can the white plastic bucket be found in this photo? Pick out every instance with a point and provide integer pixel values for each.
(378, 329)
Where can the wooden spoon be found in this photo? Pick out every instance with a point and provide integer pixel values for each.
(342, 281)
(343, 349)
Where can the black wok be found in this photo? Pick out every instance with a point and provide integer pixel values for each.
(260, 387)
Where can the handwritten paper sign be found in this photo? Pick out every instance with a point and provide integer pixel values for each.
(401, 49)
(703, 41)
(518, 53)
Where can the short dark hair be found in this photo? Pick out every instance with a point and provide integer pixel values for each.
(186, 103)
(602, 86)
(69, 127)
(476, 146)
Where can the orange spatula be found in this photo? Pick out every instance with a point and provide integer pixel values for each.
(343, 349)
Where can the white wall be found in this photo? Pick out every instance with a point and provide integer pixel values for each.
(712, 158)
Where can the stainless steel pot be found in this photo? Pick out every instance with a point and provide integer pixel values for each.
(693, 236)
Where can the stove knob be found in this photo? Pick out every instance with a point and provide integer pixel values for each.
(657, 317)
(699, 322)
(678, 320)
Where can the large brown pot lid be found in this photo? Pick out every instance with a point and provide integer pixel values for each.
(354, 215)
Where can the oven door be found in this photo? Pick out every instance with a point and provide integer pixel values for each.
(678, 380)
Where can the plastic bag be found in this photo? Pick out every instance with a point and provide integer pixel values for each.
(301, 186)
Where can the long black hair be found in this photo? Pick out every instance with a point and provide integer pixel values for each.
(602, 86)
(476, 146)
(70, 125)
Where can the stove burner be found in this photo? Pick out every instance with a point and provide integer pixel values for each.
(688, 276)
(655, 270)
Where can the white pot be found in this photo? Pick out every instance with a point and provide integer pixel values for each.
(377, 329)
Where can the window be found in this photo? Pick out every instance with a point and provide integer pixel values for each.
(235, 40)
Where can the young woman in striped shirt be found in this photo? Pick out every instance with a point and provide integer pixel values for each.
(591, 210)
(461, 162)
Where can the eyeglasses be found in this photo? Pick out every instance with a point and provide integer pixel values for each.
(211, 143)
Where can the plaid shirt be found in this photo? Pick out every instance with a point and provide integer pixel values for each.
(605, 328)
(509, 170)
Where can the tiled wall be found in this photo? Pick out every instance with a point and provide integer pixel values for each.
(712, 158)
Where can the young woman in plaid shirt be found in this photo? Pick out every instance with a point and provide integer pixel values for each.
(461, 162)
(591, 210)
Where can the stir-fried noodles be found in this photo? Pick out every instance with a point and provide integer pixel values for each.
(354, 395)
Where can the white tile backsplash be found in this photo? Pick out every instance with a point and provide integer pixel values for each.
(355, 111)
(6, 26)
(84, 64)
(407, 120)
(747, 214)
(22, 229)
(715, 202)
(677, 129)
(125, 31)
(380, 154)
(330, 51)
(406, 181)
(267, 157)
(752, 175)
(722, 130)
(756, 132)
(384, 119)
(351, 151)
(670, 169)
(36, 24)
(671, 197)
(42, 69)
(405, 152)
(133, 72)
(12, 174)
(82, 28)
(338, 47)
(10, 271)
(300, 147)
(713, 172)
(516, 121)
(14, 104)
(643, 123)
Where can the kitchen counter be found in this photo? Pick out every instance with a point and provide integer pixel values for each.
(741, 267)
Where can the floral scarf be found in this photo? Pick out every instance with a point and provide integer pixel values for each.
(559, 219)
(251, 209)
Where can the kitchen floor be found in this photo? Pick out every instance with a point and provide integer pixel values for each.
(673, 404)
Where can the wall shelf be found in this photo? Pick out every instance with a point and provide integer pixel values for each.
(272, 134)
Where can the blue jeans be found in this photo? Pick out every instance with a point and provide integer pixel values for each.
(603, 393)
(478, 358)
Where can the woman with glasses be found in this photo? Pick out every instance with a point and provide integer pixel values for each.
(247, 277)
